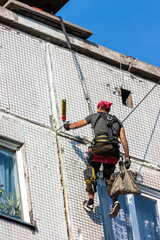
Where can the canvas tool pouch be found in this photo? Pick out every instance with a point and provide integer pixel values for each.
(89, 174)
(124, 182)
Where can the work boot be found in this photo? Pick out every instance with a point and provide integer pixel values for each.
(114, 210)
(88, 207)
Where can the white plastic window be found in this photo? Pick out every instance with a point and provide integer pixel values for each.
(148, 216)
(138, 218)
(13, 196)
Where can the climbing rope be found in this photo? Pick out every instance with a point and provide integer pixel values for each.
(104, 208)
(83, 84)
(155, 124)
(141, 101)
(136, 108)
(87, 98)
(109, 218)
(145, 154)
(75, 60)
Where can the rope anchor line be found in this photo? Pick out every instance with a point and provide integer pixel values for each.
(141, 101)
(79, 72)
(87, 98)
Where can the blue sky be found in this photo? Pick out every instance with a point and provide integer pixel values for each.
(131, 27)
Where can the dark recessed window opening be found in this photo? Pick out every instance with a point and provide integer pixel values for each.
(127, 98)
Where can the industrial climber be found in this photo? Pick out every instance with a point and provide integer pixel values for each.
(104, 150)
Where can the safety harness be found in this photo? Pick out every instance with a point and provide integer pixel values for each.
(108, 137)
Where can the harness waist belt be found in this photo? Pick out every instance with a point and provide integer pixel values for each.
(109, 160)
(104, 138)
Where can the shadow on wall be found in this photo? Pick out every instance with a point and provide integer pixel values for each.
(96, 215)
(78, 151)
(139, 178)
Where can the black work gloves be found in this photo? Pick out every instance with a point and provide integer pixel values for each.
(127, 162)
(66, 126)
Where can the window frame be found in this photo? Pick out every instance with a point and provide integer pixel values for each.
(19, 149)
(146, 192)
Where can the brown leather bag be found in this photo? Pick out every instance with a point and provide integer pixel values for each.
(123, 182)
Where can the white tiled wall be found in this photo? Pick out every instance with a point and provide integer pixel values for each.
(24, 83)
(25, 99)
(44, 181)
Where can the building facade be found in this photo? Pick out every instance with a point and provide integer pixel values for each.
(41, 172)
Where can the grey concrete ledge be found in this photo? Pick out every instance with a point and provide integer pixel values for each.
(44, 17)
(84, 47)
(55, 5)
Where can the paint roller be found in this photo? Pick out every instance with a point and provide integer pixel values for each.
(63, 113)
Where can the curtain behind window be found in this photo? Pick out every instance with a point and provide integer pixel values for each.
(8, 172)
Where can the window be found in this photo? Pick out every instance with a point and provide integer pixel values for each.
(127, 98)
(147, 216)
(138, 218)
(13, 197)
(10, 203)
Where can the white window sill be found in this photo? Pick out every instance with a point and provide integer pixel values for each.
(6, 217)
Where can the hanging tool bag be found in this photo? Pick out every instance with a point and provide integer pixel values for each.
(89, 174)
(123, 182)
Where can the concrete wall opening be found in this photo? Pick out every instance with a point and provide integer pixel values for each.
(127, 98)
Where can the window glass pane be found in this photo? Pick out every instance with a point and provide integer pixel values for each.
(147, 218)
(118, 228)
(9, 185)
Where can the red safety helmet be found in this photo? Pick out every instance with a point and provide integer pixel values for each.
(105, 104)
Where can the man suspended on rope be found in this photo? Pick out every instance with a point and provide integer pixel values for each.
(105, 148)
